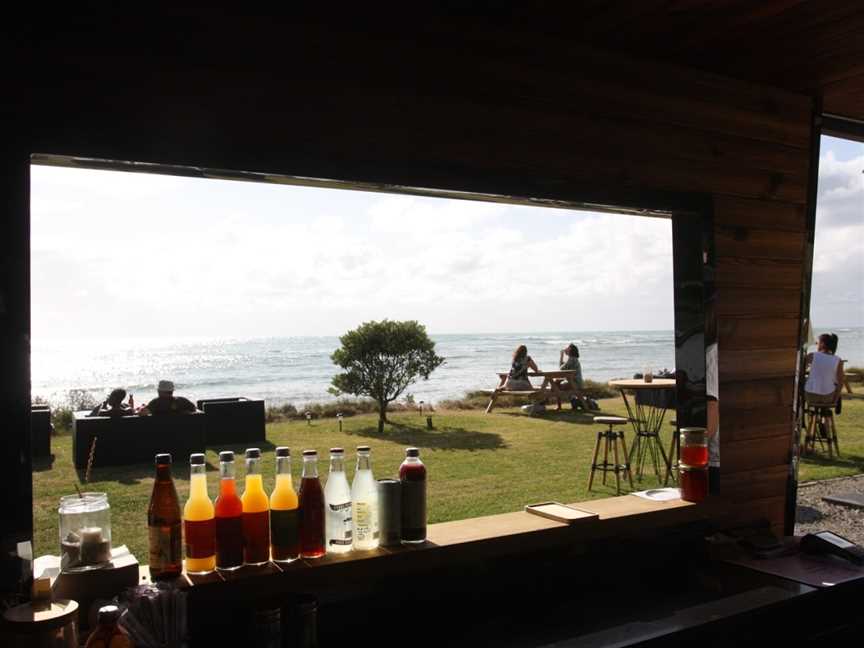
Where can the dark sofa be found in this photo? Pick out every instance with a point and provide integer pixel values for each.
(233, 420)
(136, 439)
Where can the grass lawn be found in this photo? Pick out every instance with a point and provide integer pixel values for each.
(478, 464)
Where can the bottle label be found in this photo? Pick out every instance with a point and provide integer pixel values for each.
(413, 506)
(339, 524)
(165, 547)
(363, 521)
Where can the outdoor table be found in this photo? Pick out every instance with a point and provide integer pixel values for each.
(549, 387)
(647, 420)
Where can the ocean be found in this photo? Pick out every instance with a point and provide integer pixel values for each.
(298, 369)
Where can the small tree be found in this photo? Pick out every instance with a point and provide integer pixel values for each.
(381, 359)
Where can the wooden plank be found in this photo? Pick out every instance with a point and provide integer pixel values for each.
(738, 456)
(845, 97)
(737, 272)
(751, 334)
(764, 482)
(765, 363)
(737, 241)
(765, 214)
(746, 431)
(750, 394)
(751, 512)
(742, 421)
(758, 303)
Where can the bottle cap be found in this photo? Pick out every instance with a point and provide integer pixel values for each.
(226, 455)
(108, 614)
(253, 453)
(337, 451)
(163, 458)
(196, 459)
(412, 452)
(310, 453)
(283, 451)
(364, 449)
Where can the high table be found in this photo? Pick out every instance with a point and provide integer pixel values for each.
(647, 420)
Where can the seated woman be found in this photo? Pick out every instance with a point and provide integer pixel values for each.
(517, 379)
(113, 405)
(576, 383)
(826, 372)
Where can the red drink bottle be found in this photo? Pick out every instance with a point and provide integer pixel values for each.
(311, 509)
(229, 517)
(412, 474)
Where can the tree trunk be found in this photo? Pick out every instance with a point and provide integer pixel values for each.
(382, 416)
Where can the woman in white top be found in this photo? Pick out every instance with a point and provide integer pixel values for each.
(826, 372)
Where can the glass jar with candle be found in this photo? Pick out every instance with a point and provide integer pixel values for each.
(85, 531)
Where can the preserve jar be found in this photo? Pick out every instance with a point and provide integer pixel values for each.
(694, 446)
(693, 481)
(85, 531)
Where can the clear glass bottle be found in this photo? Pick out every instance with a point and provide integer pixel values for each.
(256, 513)
(412, 474)
(364, 502)
(284, 511)
(337, 495)
(199, 525)
(85, 531)
(312, 514)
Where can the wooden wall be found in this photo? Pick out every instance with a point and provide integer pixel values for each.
(477, 111)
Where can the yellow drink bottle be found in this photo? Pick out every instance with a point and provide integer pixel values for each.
(256, 513)
(199, 524)
(284, 511)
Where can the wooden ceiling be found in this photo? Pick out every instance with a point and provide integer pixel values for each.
(815, 47)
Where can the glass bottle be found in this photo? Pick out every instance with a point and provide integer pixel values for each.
(694, 446)
(164, 524)
(199, 526)
(107, 632)
(337, 494)
(229, 517)
(284, 511)
(364, 502)
(311, 509)
(412, 474)
(256, 513)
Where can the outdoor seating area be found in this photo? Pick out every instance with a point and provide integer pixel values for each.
(556, 385)
(135, 439)
(233, 420)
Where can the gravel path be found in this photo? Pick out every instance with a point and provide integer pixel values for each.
(816, 515)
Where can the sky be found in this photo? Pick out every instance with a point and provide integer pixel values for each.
(133, 255)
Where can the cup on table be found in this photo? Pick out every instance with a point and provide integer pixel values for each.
(648, 376)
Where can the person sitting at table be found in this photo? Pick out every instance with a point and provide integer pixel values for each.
(166, 402)
(825, 381)
(113, 405)
(517, 378)
(574, 384)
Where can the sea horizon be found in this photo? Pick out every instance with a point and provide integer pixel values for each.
(298, 369)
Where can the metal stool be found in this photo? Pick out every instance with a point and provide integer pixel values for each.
(674, 451)
(611, 437)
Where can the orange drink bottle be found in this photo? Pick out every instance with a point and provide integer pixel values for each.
(256, 513)
(284, 511)
(229, 517)
(199, 524)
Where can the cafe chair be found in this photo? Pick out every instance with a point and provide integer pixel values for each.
(611, 438)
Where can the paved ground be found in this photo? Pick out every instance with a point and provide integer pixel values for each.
(816, 515)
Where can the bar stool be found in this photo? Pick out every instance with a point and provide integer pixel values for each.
(611, 437)
(674, 453)
(821, 428)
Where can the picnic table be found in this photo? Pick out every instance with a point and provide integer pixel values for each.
(646, 415)
(550, 388)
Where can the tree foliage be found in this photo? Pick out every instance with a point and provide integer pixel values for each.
(381, 359)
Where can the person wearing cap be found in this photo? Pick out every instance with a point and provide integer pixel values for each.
(166, 402)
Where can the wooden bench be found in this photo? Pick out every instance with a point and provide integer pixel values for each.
(551, 388)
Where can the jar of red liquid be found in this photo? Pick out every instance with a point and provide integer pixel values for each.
(412, 474)
(694, 447)
(693, 481)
